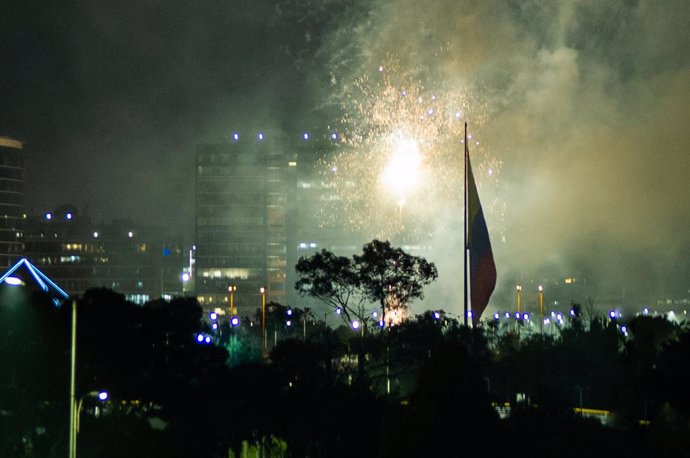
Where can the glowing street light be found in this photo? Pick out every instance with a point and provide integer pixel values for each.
(102, 396)
(541, 306)
(231, 290)
(262, 291)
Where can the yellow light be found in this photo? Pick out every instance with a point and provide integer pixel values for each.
(401, 175)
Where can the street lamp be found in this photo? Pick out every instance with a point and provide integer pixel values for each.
(541, 307)
(262, 291)
(231, 290)
(519, 297)
(101, 396)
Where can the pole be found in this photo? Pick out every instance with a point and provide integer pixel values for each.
(541, 307)
(263, 318)
(465, 215)
(73, 364)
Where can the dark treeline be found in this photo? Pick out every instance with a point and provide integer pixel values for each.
(428, 387)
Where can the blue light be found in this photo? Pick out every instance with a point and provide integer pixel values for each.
(288, 323)
(381, 323)
(356, 324)
(214, 326)
(166, 252)
(235, 321)
(200, 338)
(289, 312)
(437, 315)
(334, 136)
(236, 136)
(260, 136)
(213, 316)
(338, 311)
(49, 216)
(496, 316)
(526, 316)
(612, 314)
(208, 339)
(572, 312)
(103, 396)
(305, 136)
(624, 329)
(374, 314)
(517, 315)
(68, 216)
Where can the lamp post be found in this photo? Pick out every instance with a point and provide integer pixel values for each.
(541, 307)
(72, 402)
(101, 396)
(519, 297)
(262, 291)
(231, 290)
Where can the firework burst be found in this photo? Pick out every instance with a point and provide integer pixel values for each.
(401, 156)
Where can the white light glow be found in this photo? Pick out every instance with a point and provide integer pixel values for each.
(401, 176)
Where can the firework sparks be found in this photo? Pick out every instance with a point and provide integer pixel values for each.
(402, 147)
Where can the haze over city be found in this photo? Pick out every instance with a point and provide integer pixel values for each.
(578, 111)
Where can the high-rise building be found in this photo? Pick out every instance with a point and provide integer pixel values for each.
(12, 210)
(240, 222)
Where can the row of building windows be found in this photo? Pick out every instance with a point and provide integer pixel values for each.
(12, 173)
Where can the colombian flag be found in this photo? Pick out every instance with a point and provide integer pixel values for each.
(482, 267)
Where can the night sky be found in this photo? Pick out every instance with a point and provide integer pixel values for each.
(586, 106)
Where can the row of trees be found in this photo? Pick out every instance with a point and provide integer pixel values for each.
(427, 386)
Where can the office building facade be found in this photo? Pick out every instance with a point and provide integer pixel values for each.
(240, 234)
(12, 206)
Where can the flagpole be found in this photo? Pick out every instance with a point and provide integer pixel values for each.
(464, 249)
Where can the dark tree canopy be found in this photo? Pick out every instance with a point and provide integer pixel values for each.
(382, 274)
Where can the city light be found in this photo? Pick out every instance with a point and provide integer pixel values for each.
(14, 281)
(68, 216)
(356, 324)
(213, 316)
(437, 315)
(49, 216)
(103, 395)
(235, 321)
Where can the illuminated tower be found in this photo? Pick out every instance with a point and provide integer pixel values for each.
(240, 221)
(12, 211)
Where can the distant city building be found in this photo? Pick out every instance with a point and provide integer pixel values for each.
(259, 202)
(79, 254)
(12, 210)
(240, 233)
